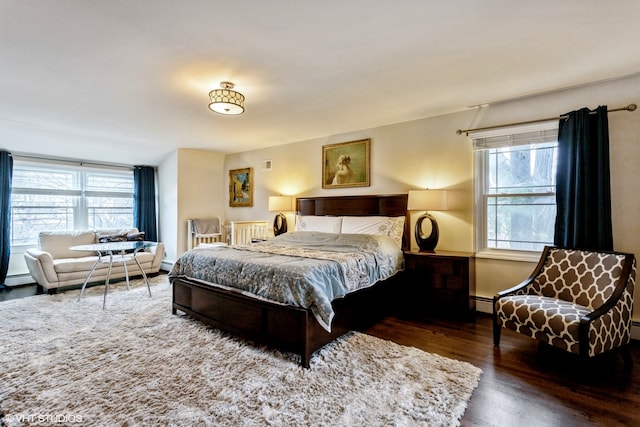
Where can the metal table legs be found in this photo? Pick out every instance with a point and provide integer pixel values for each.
(123, 258)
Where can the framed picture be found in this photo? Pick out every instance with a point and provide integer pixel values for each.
(241, 187)
(346, 164)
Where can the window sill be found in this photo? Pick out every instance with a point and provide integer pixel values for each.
(520, 256)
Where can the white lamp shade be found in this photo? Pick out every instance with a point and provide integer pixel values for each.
(427, 200)
(280, 203)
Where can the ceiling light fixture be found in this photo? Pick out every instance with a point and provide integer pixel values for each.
(225, 100)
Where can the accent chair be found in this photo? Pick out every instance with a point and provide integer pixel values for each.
(578, 300)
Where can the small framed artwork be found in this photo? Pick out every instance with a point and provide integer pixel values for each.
(346, 164)
(241, 187)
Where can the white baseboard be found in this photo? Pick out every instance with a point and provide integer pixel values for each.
(21, 279)
(485, 305)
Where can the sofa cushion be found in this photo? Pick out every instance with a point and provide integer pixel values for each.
(121, 237)
(136, 237)
(110, 233)
(85, 264)
(57, 243)
(66, 265)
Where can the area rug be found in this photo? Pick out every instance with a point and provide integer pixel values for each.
(69, 362)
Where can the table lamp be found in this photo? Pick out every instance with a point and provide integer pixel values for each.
(280, 204)
(427, 200)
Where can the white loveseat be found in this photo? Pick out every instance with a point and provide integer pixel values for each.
(54, 265)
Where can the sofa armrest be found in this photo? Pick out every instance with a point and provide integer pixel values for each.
(40, 265)
(158, 252)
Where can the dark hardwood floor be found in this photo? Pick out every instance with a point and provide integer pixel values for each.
(525, 383)
(19, 292)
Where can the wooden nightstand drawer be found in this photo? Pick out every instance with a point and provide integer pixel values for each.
(443, 283)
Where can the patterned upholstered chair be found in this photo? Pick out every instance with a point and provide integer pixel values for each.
(580, 301)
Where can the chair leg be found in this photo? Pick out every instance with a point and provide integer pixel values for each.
(625, 350)
(497, 330)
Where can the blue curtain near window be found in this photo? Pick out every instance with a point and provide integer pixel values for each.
(583, 190)
(6, 174)
(144, 201)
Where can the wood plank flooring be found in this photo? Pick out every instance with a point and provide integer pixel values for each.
(525, 383)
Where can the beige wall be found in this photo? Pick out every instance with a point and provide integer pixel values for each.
(428, 153)
(624, 134)
(419, 154)
(190, 187)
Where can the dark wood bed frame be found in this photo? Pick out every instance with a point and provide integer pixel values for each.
(291, 328)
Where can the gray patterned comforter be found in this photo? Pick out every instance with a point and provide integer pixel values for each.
(300, 268)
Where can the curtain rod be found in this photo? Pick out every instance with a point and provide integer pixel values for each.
(53, 159)
(630, 107)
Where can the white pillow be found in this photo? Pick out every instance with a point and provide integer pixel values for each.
(378, 225)
(324, 224)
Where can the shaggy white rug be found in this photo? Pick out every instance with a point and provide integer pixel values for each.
(69, 362)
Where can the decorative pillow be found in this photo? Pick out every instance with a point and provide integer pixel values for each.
(121, 237)
(138, 237)
(378, 225)
(324, 224)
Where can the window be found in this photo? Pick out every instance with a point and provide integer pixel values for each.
(66, 197)
(515, 188)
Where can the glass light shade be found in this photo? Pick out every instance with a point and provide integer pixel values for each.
(280, 203)
(225, 100)
(427, 200)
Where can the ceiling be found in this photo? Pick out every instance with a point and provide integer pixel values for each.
(127, 81)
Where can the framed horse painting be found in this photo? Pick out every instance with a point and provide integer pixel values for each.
(346, 164)
(241, 187)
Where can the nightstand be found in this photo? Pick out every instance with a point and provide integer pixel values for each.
(442, 283)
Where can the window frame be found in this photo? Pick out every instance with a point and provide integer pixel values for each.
(81, 191)
(483, 140)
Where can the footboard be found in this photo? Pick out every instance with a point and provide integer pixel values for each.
(288, 328)
(283, 326)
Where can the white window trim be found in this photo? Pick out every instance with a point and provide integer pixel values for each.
(480, 237)
(81, 217)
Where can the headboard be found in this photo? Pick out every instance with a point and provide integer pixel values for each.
(366, 205)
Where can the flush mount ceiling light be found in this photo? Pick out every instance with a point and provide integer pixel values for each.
(225, 100)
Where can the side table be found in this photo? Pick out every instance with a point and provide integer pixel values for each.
(442, 283)
(108, 253)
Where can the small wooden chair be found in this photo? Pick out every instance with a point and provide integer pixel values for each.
(204, 231)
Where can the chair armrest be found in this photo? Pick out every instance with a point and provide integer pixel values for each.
(40, 265)
(621, 300)
(526, 282)
(158, 252)
(626, 279)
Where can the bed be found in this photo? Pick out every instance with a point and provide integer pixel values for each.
(284, 325)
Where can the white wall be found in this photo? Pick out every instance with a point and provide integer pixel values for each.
(168, 205)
